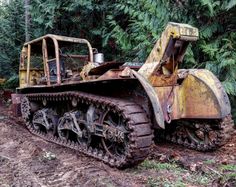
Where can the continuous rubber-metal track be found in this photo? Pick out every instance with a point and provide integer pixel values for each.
(140, 135)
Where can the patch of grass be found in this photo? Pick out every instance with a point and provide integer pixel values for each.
(228, 167)
(171, 174)
(165, 183)
(228, 171)
(176, 172)
(199, 179)
(231, 175)
(151, 164)
(210, 161)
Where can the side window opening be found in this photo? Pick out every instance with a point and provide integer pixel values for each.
(73, 57)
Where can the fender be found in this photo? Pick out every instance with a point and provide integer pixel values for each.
(215, 86)
(156, 106)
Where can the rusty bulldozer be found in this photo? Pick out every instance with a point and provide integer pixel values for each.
(111, 111)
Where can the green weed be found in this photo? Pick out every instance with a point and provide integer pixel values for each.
(150, 164)
(165, 183)
(210, 161)
(228, 167)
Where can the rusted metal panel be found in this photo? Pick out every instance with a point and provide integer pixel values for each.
(86, 69)
(124, 72)
(65, 39)
(163, 80)
(174, 36)
(104, 67)
(111, 74)
(28, 65)
(200, 95)
(45, 61)
(57, 60)
(215, 88)
(168, 97)
(197, 100)
(157, 110)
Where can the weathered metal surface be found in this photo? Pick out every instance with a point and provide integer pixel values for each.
(168, 97)
(189, 99)
(34, 76)
(104, 67)
(163, 80)
(216, 89)
(86, 69)
(111, 74)
(157, 110)
(65, 39)
(168, 50)
(202, 96)
(28, 65)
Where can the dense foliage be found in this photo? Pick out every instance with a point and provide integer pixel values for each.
(127, 30)
(11, 37)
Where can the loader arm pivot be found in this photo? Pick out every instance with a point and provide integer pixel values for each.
(167, 53)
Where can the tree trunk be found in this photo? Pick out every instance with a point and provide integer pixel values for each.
(27, 20)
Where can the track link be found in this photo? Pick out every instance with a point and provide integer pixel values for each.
(140, 133)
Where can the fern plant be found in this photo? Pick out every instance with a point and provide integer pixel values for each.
(222, 61)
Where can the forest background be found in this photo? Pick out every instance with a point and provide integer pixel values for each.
(125, 30)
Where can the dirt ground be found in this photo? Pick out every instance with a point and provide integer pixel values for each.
(26, 160)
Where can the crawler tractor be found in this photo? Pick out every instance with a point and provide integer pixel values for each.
(111, 111)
